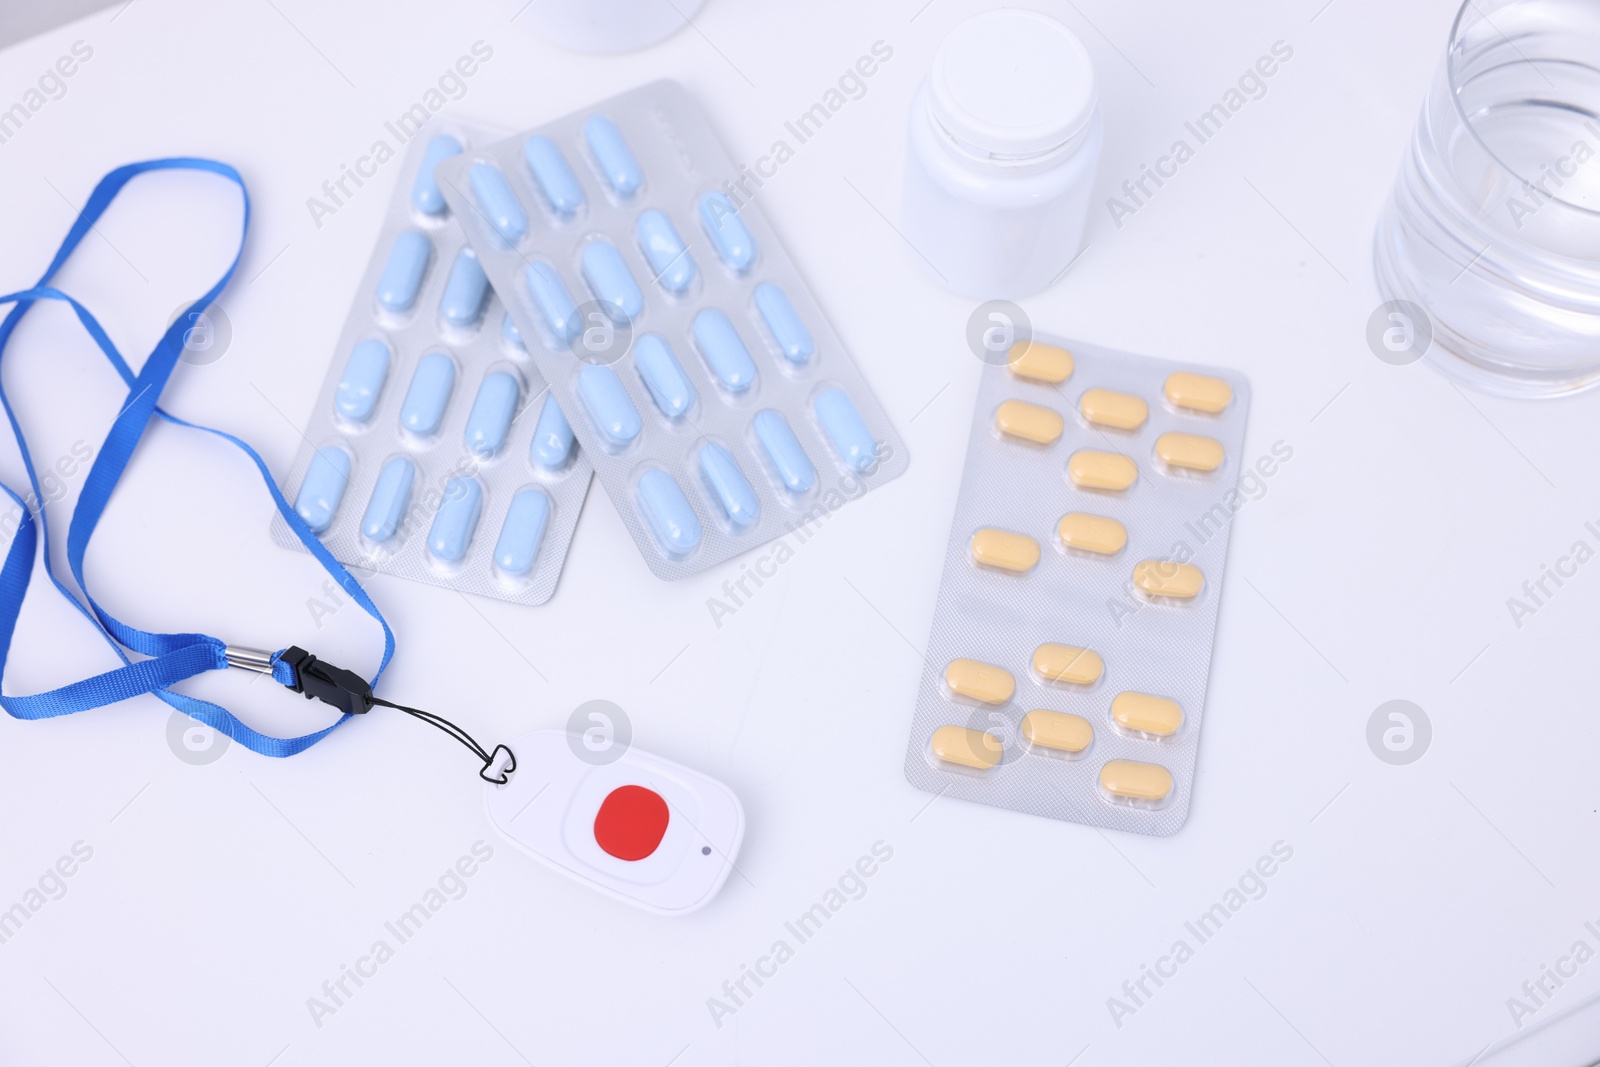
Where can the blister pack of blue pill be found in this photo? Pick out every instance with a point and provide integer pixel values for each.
(435, 451)
(714, 399)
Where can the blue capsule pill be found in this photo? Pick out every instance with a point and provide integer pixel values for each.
(555, 303)
(727, 231)
(552, 438)
(498, 201)
(387, 505)
(556, 180)
(611, 151)
(667, 510)
(794, 340)
(783, 448)
(492, 413)
(323, 487)
(729, 486)
(665, 251)
(362, 381)
(465, 291)
(456, 520)
(428, 393)
(848, 434)
(522, 532)
(425, 194)
(508, 330)
(658, 368)
(611, 281)
(402, 272)
(609, 407)
(723, 350)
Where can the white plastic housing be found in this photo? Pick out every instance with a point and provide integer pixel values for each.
(548, 810)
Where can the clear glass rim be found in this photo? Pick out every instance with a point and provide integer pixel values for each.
(1453, 52)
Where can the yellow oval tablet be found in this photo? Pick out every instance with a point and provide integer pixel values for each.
(1118, 411)
(1004, 550)
(1198, 392)
(1146, 714)
(1163, 577)
(1057, 730)
(1092, 533)
(1135, 781)
(979, 681)
(977, 749)
(1101, 470)
(1016, 418)
(1189, 451)
(1067, 663)
(1040, 362)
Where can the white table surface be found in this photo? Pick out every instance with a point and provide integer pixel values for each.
(219, 898)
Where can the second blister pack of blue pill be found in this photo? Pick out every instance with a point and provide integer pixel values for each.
(713, 397)
(435, 450)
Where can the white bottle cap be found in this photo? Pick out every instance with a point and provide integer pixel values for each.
(1012, 85)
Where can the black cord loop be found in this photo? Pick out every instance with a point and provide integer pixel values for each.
(490, 759)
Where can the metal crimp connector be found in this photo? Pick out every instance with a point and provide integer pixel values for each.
(248, 659)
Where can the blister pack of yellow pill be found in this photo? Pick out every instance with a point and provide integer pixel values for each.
(1066, 671)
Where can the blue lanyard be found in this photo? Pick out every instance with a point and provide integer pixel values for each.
(171, 658)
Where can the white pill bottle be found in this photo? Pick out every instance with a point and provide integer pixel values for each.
(606, 26)
(1000, 165)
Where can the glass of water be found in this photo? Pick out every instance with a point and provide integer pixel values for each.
(1493, 227)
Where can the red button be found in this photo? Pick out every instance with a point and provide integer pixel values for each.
(631, 822)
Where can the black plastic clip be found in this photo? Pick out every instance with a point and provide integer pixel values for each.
(345, 690)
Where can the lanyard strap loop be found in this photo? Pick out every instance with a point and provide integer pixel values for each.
(172, 657)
